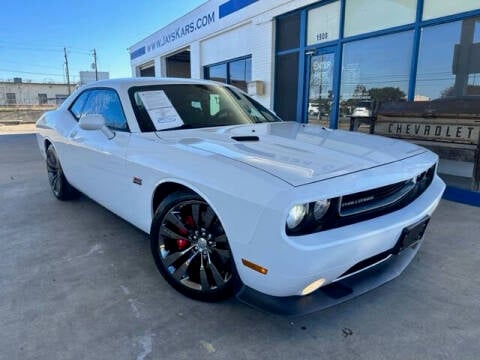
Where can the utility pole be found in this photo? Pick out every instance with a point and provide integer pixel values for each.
(66, 69)
(95, 63)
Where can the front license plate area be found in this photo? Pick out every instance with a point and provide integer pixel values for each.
(411, 235)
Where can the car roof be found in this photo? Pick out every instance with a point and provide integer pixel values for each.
(122, 85)
(126, 83)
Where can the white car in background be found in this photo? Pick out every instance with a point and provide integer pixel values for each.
(363, 110)
(290, 217)
(313, 109)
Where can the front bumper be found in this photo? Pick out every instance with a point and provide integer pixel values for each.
(334, 293)
(297, 261)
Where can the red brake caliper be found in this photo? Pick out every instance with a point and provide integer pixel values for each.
(183, 243)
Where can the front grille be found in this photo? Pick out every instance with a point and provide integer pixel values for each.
(377, 198)
(385, 196)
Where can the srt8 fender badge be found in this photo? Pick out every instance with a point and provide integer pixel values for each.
(137, 180)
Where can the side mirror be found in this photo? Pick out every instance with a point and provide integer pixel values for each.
(95, 122)
(91, 122)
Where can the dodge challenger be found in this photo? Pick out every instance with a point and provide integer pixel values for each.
(288, 216)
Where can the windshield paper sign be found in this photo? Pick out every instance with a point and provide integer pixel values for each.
(160, 109)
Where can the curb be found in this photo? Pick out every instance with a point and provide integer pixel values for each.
(463, 196)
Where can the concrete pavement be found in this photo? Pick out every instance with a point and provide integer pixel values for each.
(77, 282)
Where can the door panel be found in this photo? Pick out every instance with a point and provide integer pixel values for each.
(96, 163)
(100, 166)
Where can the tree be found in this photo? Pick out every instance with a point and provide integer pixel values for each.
(360, 93)
(386, 94)
(448, 92)
(470, 90)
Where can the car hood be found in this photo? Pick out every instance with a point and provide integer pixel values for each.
(296, 153)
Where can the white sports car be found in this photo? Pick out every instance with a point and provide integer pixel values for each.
(290, 217)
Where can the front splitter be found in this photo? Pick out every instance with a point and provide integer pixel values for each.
(333, 293)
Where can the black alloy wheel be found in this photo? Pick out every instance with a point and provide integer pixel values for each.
(191, 249)
(58, 183)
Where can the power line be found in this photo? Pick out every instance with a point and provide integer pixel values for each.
(89, 53)
(47, 46)
(21, 47)
(14, 72)
(31, 73)
(30, 49)
(33, 65)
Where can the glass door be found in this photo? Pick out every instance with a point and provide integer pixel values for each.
(321, 79)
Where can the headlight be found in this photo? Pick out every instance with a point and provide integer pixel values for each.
(320, 208)
(296, 215)
(304, 218)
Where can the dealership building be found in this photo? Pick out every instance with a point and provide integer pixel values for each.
(319, 61)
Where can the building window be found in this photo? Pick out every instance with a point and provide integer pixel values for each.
(178, 64)
(42, 99)
(375, 69)
(216, 73)
(240, 73)
(434, 8)
(146, 70)
(11, 99)
(362, 16)
(288, 32)
(236, 72)
(286, 86)
(323, 23)
(451, 67)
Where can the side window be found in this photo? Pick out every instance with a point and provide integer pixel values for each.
(78, 104)
(106, 102)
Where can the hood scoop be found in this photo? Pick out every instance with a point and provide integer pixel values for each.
(245, 138)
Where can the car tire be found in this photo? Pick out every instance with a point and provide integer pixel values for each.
(191, 249)
(59, 185)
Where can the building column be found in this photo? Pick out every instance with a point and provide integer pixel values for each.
(135, 72)
(159, 69)
(195, 61)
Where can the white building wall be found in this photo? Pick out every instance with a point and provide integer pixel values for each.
(262, 62)
(248, 31)
(227, 45)
(255, 39)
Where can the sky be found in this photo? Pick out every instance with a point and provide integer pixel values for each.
(33, 34)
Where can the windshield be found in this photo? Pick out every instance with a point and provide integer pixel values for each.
(197, 106)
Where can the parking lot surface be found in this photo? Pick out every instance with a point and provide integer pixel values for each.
(77, 282)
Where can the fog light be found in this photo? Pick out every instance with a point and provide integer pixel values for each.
(313, 286)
